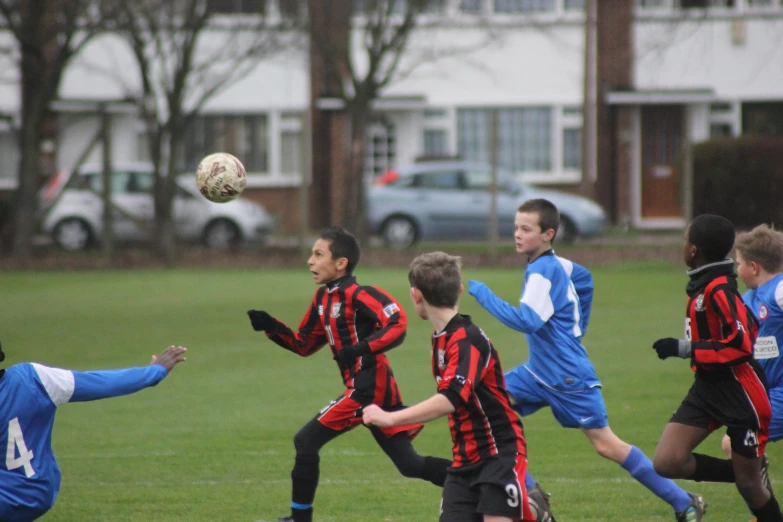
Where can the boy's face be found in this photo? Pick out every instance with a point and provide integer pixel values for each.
(688, 251)
(746, 271)
(325, 269)
(528, 236)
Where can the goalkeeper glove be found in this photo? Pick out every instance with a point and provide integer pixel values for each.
(670, 347)
(348, 354)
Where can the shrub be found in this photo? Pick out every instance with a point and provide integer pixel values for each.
(740, 179)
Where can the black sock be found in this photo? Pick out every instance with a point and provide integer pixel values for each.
(304, 479)
(435, 470)
(770, 512)
(712, 469)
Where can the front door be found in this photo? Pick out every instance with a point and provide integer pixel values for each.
(662, 138)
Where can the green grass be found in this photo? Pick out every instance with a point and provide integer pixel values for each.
(213, 442)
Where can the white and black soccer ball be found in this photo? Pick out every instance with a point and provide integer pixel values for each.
(221, 177)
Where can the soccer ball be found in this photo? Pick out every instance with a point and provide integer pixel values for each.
(220, 177)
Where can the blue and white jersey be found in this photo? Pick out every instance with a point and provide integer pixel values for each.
(766, 303)
(552, 315)
(29, 396)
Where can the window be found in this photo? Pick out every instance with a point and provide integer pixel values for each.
(291, 144)
(574, 5)
(443, 180)
(524, 137)
(720, 130)
(571, 124)
(471, 6)
(652, 3)
(482, 180)
(762, 118)
(236, 6)
(245, 137)
(381, 148)
(524, 6)
(435, 142)
(9, 151)
(702, 4)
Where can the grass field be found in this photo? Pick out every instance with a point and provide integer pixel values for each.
(213, 442)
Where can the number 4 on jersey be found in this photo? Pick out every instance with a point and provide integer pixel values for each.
(16, 441)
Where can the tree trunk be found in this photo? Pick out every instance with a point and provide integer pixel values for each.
(24, 207)
(354, 216)
(165, 237)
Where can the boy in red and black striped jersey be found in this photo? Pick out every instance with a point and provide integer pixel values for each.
(360, 323)
(729, 387)
(487, 476)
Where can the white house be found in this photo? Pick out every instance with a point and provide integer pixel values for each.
(698, 68)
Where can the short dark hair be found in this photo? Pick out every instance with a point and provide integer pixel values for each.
(712, 235)
(548, 215)
(342, 244)
(437, 275)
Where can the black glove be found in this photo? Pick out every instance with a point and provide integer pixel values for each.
(348, 354)
(670, 347)
(261, 321)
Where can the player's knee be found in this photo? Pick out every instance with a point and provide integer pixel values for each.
(666, 465)
(304, 445)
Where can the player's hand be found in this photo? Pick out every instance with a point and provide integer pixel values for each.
(372, 415)
(667, 347)
(348, 354)
(170, 357)
(261, 321)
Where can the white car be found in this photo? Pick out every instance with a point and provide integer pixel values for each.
(72, 209)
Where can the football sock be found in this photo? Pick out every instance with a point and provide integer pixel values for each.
(770, 512)
(304, 478)
(435, 470)
(301, 514)
(530, 482)
(712, 469)
(641, 468)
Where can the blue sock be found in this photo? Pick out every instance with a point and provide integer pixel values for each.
(530, 482)
(641, 468)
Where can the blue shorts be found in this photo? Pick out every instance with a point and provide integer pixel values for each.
(582, 409)
(776, 423)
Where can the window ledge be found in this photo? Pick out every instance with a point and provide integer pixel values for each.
(272, 181)
(562, 177)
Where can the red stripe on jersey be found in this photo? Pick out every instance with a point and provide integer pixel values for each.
(722, 330)
(757, 395)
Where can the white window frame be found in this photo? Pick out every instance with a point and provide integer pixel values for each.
(732, 117)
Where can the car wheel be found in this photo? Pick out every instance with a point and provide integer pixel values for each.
(567, 232)
(72, 234)
(399, 232)
(222, 234)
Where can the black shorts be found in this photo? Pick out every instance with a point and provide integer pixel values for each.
(495, 487)
(734, 397)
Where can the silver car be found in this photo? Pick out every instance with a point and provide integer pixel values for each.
(451, 200)
(72, 210)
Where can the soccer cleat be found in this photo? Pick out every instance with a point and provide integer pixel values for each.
(539, 501)
(695, 511)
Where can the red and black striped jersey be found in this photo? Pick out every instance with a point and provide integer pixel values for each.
(344, 313)
(721, 328)
(467, 369)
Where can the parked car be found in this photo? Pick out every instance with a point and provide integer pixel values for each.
(442, 200)
(73, 210)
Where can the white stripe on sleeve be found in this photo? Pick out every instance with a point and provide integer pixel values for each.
(537, 297)
(779, 294)
(567, 265)
(59, 384)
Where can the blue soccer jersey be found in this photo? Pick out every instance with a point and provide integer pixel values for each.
(766, 303)
(553, 316)
(29, 396)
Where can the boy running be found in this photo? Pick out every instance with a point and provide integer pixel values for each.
(485, 480)
(559, 373)
(360, 323)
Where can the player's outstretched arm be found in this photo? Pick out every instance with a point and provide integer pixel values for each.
(72, 386)
(524, 319)
(434, 407)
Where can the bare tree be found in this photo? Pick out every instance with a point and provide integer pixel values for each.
(186, 55)
(383, 31)
(48, 34)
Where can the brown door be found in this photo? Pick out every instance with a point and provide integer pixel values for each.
(662, 131)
